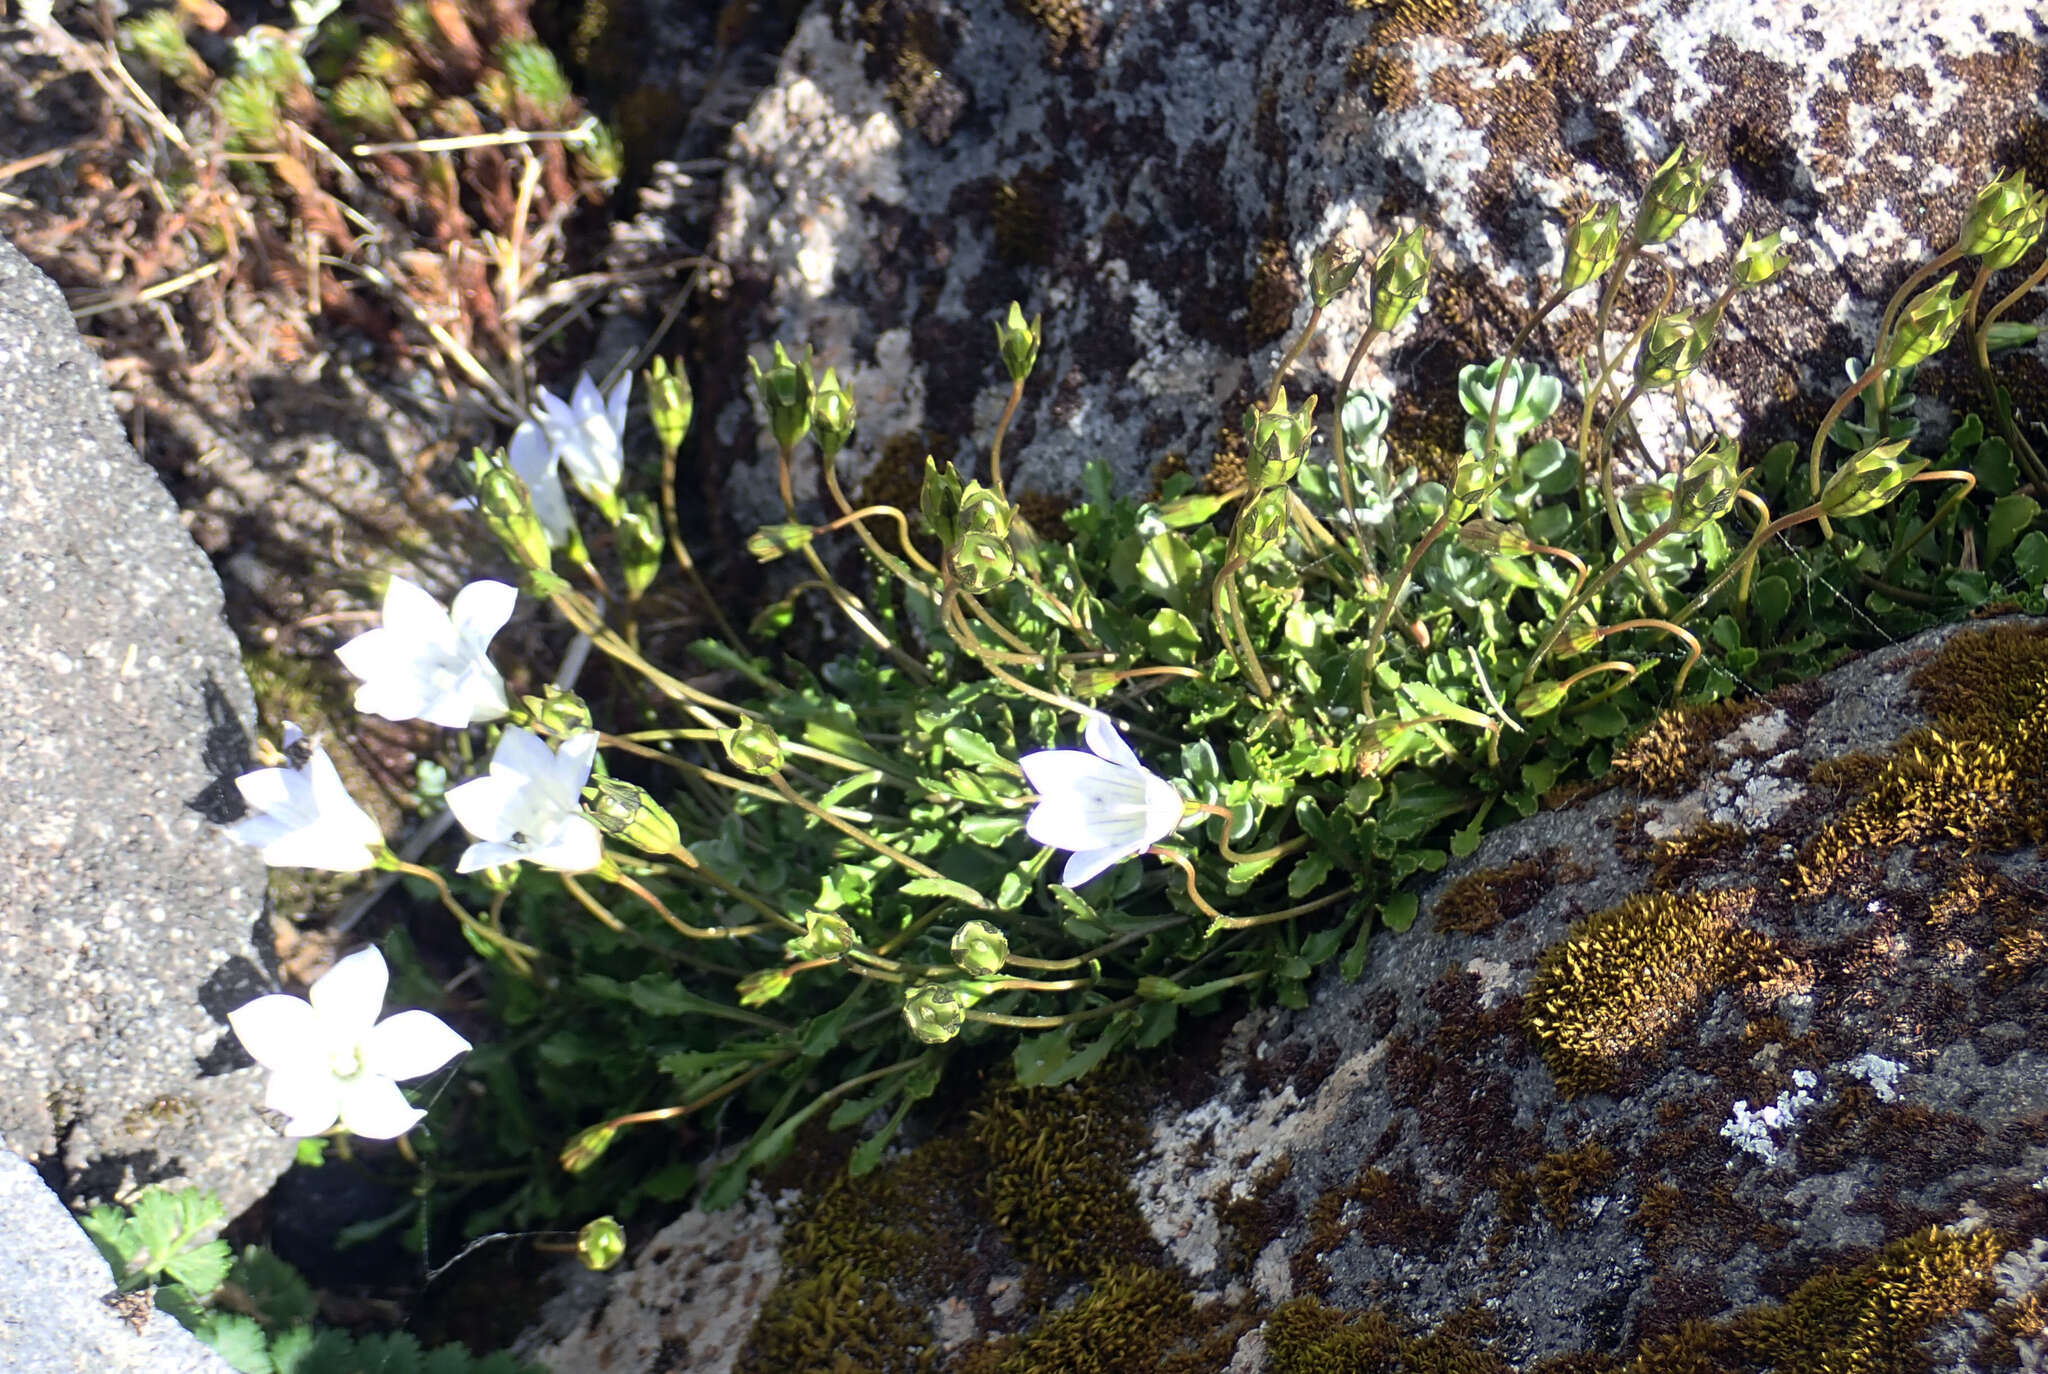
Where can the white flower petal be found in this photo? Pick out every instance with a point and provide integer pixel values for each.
(1102, 736)
(557, 414)
(522, 754)
(1163, 809)
(269, 790)
(1086, 865)
(279, 1032)
(480, 610)
(374, 1108)
(319, 846)
(616, 401)
(1052, 772)
(488, 807)
(488, 854)
(412, 614)
(576, 847)
(311, 1099)
(572, 768)
(1067, 824)
(411, 1044)
(337, 809)
(349, 996)
(259, 832)
(586, 399)
(393, 698)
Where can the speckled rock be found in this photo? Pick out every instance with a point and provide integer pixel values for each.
(126, 915)
(1153, 177)
(54, 1317)
(1740, 1064)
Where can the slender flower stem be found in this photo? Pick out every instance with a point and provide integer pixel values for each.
(1585, 595)
(1288, 914)
(718, 882)
(674, 526)
(859, 518)
(1344, 481)
(1308, 331)
(1603, 365)
(1395, 590)
(1692, 644)
(584, 617)
(849, 605)
(1980, 352)
(955, 620)
(1226, 608)
(1072, 1018)
(1181, 861)
(717, 1094)
(1874, 373)
(518, 955)
(1003, 632)
(1876, 408)
(1129, 937)
(995, 448)
(852, 831)
(1224, 814)
(1529, 326)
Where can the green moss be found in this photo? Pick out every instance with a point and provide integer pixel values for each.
(1058, 1163)
(1622, 982)
(1978, 775)
(1133, 1318)
(838, 1321)
(1305, 1337)
(1672, 752)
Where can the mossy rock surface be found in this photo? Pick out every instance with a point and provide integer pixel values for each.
(1771, 1103)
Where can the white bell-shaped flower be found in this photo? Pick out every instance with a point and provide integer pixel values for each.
(426, 663)
(331, 1059)
(304, 816)
(529, 808)
(537, 462)
(587, 432)
(1101, 804)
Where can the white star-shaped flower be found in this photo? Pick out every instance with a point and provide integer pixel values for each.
(331, 1059)
(529, 808)
(537, 462)
(304, 817)
(587, 433)
(1103, 805)
(425, 663)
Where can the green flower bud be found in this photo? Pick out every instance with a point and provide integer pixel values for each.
(934, 1013)
(1091, 683)
(1278, 438)
(2005, 222)
(640, 544)
(763, 986)
(1759, 260)
(1706, 488)
(1331, 271)
(1470, 486)
(787, 390)
(1869, 480)
(753, 746)
(1592, 245)
(1670, 352)
(1156, 989)
(832, 413)
(1400, 279)
(826, 935)
(1676, 189)
(1265, 520)
(1539, 699)
(588, 1147)
(628, 813)
(601, 1244)
(980, 949)
(1926, 325)
(559, 711)
(2006, 335)
(507, 510)
(1581, 638)
(771, 542)
(983, 562)
(1494, 536)
(939, 501)
(1018, 342)
(669, 403)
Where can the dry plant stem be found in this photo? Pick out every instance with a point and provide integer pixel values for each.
(504, 138)
(1980, 351)
(1344, 481)
(519, 956)
(1287, 914)
(852, 831)
(995, 448)
(1074, 1018)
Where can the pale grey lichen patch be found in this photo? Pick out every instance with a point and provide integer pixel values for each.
(1764, 1132)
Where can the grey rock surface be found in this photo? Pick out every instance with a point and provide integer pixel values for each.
(54, 1317)
(1154, 176)
(128, 920)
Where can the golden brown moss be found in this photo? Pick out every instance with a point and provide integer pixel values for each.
(1058, 1163)
(835, 1320)
(1021, 210)
(1562, 1178)
(1275, 291)
(1623, 980)
(1133, 1318)
(1674, 859)
(1305, 1337)
(1672, 752)
(1480, 901)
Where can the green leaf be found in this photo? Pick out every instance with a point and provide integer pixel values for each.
(2031, 557)
(239, 1341)
(1037, 1056)
(1308, 874)
(971, 748)
(312, 1151)
(1168, 568)
(1772, 597)
(1353, 966)
(201, 1268)
(1434, 702)
(2009, 518)
(868, 1153)
(946, 887)
(114, 1234)
(1085, 1059)
(1400, 911)
(990, 830)
(1173, 638)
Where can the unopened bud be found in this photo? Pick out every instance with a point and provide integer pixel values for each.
(1869, 480)
(934, 1013)
(939, 501)
(826, 935)
(1759, 260)
(669, 403)
(832, 413)
(1265, 520)
(601, 1244)
(1539, 698)
(786, 390)
(639, 541)
(1706, 488)
(1581, 638)
(1926, 325)
(771, 542)
(753, 746)
(1670, 352)
(1400, 279)
(559, 711)
(505, 504)
(1676, 189)
(2004, 223)
(980, 949)
(1278, 438)
(1591, 246)
(1156, 989)
(1091, 683)
(1494, 536)
(588, 1147)
(763, 986)
(626, 812)
(1470, 486)
(983, 562)
(1331, 271)
(2007, 335)
(1018, 342)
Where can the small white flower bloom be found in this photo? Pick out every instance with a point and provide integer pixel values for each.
(535, 459)
(1103, 804)
(530, 806)
(587, 432)
(424, 663)
(304, 817)
(331, 1059)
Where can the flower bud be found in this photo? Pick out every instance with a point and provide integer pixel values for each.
(588, 1147)
(1153, 988)
(1670, 352)
(786, 389)
(1494, 536)
(934, 1013)
(601, 1244)
(1706, 488)
(1265, 520)
(628, 813)
(1759, 260)
(939, 501)
(1278, 438)
(2004, 223)
(1018, 342)
(826, 935)
(980, 949)
(1591, 246)
(1676, 189)
(1400, 279)
(639, 541)
(1926, 325)
(1581, 638)
(507, 510)
(763, 986)
(559, 711)
(1331, 270)
(669, 404)
(832, 413)
(771, 542)
(753, 746)
(1091, 683)
(2007, 334)
(980, 553)
(1470, 486)
(1869, 480)
(1539, 698)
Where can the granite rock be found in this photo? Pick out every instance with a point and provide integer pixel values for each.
(129, 921)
